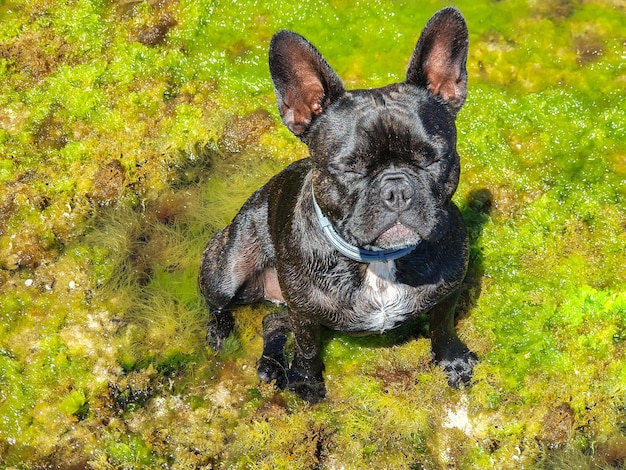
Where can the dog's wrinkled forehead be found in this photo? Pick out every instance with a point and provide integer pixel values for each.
(380, 124)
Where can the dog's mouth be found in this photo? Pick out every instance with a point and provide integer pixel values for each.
(397, 236)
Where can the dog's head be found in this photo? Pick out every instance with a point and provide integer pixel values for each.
(385, 164)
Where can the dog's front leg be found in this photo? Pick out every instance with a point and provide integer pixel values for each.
(273, 364)
(448, 350)
(305, 374)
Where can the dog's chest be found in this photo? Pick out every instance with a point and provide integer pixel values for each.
(386, 302)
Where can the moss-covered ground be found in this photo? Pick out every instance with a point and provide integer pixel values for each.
(130, 131)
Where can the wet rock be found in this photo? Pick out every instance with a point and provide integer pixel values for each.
(274, 406)
(156, 34)
(241, 133)
(588, 47)
(28, 57)
(26, 251)
(7, 209)
(171, 207)
(134, 389)
(613, 452)
(14, 117)
(51, 134)
(557, 425)
(395, 378)
(557, 9)
(108, 183)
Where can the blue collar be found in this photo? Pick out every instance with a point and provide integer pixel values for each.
(354, 252)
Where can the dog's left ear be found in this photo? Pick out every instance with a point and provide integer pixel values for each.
(304, 82)
(438, 61)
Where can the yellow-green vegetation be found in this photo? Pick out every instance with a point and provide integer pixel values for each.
(130, 131)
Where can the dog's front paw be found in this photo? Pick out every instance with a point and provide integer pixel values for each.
(311, 389)
(273, 368)
(459, 370)
(306, 379)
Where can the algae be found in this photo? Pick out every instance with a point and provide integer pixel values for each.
(131, 131)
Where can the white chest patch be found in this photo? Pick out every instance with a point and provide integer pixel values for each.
(386, 301)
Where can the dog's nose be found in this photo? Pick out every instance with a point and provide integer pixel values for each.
(396, 191)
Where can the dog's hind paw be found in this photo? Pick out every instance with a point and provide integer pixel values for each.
(220, 327)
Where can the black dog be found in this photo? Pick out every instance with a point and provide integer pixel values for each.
(363, 235)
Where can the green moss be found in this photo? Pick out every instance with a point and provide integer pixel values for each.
(75, 404)
(103, 360)
(129, 452)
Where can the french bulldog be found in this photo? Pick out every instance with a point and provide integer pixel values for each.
(363, 235)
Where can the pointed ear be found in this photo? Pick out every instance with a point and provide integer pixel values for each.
(304, 82)
(438, 61)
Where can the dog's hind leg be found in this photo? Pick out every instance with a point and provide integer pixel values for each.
(230, 274)
(217, 291)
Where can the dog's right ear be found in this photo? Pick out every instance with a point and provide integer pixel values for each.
(304, 82)
(438, 61)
